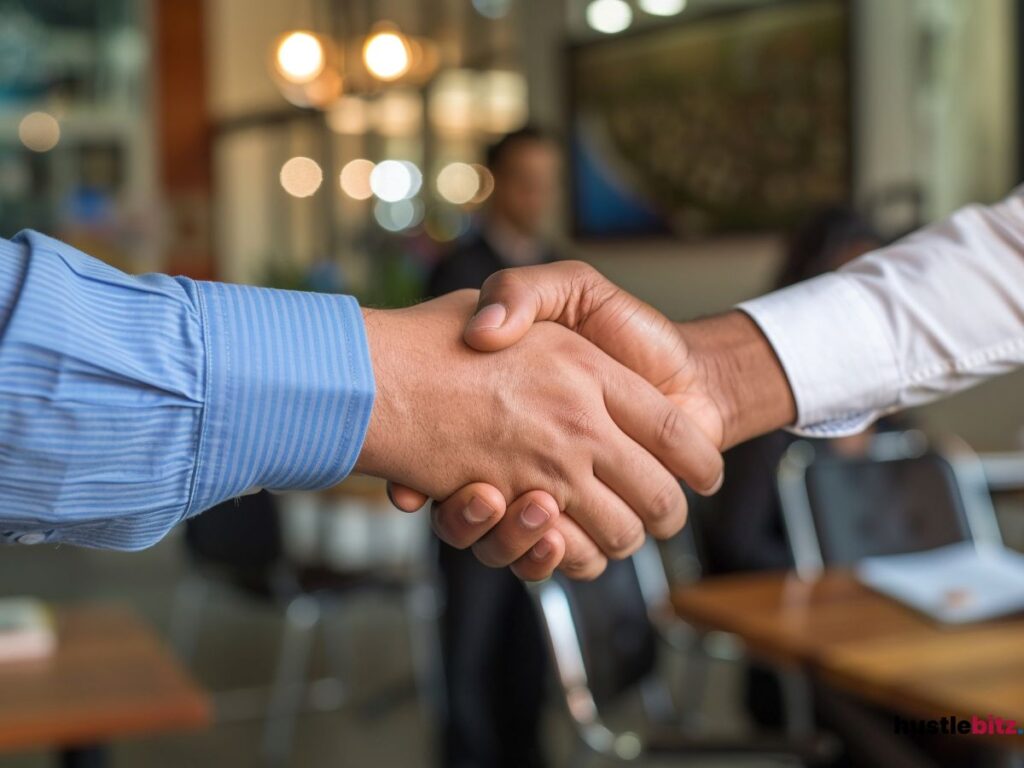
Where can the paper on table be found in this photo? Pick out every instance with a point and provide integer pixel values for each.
(26, 630)
(955, 584)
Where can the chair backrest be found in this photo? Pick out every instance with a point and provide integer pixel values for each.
(241, 535)
(901, 497)
(603, 640)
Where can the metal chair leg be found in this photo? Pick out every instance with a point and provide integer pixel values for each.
(424, 615)
(301, 620)
(797, 702)
(695, 672)
(190, 598)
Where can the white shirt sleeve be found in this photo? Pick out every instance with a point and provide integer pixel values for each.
(934, 313)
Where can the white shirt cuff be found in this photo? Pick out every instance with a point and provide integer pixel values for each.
(835, 350)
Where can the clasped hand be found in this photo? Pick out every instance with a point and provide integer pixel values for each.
(585, 419)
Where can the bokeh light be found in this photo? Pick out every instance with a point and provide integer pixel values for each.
(415, 177)
(398, 112)
(663, 7)
(386, 55)
(609, 16)
(301, 176)
(355, 179)
(446, 224)
(323, 91)
(486, 184)
(492, 9)
(452, 102)
(501, 102)
(300, 57)
(349, 115)
(398, 216)
(394, 180)
(458, 183)
(39, 131)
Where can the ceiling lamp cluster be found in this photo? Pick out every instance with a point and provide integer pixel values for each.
(613, 16)
(311, 70)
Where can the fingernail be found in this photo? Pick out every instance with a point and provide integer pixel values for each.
(477, 511)
(541, 550)
(535, 516)
(717, 486)
(488, 318)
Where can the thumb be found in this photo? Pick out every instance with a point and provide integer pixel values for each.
(512, 300)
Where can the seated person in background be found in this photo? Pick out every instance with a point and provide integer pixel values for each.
(494, 652)
(743, 529)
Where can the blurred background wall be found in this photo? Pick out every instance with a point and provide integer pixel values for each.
(182, 101)
(934, 106)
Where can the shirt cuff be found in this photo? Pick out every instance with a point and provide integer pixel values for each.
(289, 391)
(836, 351)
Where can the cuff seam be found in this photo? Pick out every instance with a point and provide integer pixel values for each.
(207, 384)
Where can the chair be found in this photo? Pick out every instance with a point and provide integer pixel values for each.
(903, 496)
(241, 544)
(605, 638)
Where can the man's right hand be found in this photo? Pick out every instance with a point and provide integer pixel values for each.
(552, 412)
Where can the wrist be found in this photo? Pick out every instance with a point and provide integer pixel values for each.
(741, 375)
(372, 459)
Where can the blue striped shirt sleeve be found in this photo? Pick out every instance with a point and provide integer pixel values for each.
(130, 403)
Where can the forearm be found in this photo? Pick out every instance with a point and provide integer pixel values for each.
(128, 403)
(934, 313)
(741, 374)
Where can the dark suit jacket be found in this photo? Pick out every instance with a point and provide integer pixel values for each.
(470, 262)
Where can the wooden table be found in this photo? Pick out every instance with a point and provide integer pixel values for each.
(867, 644)
(110, 677)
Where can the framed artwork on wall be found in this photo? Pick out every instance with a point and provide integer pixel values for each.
(738, 121)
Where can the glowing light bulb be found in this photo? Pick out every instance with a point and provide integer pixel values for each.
(662, 7)
(392, 180)
(609, 16)
(301, 177)
(39, 131)
(300, 57)
(386, 55)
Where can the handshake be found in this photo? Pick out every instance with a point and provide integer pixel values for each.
(557, 390)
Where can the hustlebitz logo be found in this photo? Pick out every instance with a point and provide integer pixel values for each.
(989, 725)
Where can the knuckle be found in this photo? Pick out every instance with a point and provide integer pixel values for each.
(671, 428)
(589, 570)
(666, 512)
(581, 270)
(578, 423)
(575, 562)
(499, 281)
(627, 539)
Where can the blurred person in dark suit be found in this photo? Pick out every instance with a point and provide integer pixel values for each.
(510, 233)
(744, 530)
(494, 652)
